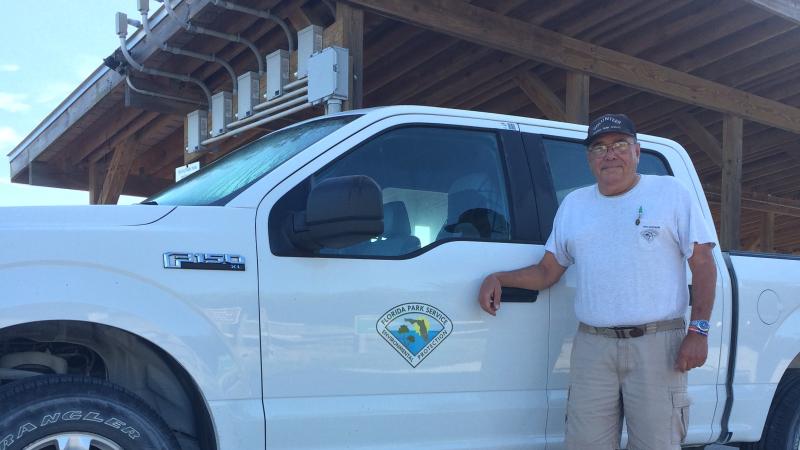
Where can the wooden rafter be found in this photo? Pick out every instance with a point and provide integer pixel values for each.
(459, 18)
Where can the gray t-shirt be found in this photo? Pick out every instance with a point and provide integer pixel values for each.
(630, 274)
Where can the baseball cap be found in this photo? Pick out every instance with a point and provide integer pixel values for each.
(610, 123)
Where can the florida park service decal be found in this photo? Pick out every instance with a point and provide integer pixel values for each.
(414, 330)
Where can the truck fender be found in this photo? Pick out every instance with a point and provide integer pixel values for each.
(222, 361)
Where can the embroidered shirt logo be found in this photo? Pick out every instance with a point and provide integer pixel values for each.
(649, 233)
(414, 330)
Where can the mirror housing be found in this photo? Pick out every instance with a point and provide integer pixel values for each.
(340, 212)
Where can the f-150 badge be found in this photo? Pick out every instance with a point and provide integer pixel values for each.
(203, 261)
(414, 330)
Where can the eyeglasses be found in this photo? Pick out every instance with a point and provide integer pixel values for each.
(619, 147)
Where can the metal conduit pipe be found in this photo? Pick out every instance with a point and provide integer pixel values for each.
(175, 76)
(263, 14)
(158, 94)
(294, 84)
(143, 9)
(281, 99)
(266, 112)
(281, 115)
(202, 30)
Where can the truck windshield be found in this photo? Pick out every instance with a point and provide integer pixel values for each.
(224, 179)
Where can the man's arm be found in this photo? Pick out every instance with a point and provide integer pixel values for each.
(694, 350)
(536, 277)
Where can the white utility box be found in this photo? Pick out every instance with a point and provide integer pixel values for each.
(221, 112)
(329, 75)
(277, 73)
(247, 97)
(309, 41)
(196, 130)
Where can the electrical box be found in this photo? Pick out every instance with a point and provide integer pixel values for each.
(247, 98)
(121, 23)
(196, 130)
(277, 73)
(309, 41)
(221, 112)
(329, 75)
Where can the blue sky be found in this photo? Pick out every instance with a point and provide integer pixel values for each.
(47, 48)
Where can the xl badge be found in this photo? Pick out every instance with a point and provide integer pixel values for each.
(414, 330)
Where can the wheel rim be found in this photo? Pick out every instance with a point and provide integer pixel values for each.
(74, 441)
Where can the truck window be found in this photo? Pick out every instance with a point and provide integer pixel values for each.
(570, 170)
(437, 184)
(230, 175)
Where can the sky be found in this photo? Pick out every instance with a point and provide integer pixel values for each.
(47, 48)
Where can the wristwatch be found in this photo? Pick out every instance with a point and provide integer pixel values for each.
(701, 325)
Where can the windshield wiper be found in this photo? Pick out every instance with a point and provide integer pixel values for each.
(149, 202)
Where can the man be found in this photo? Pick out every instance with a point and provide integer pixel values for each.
(629, 237)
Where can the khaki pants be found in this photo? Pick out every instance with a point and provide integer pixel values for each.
(633, 377)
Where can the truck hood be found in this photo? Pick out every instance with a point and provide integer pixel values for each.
(81, 216)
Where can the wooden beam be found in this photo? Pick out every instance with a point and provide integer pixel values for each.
(541, 96)
(731, 181)
(697, 133)
(459, 18)
(758, 201)
(577, 104)
(788, 9)
(768, 232)
(124, 155)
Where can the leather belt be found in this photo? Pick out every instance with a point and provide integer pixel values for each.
(634, 331)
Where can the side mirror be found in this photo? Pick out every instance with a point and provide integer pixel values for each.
(340, 212)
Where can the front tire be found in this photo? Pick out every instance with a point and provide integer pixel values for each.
(78, 413)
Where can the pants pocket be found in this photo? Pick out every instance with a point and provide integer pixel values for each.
(680, 416)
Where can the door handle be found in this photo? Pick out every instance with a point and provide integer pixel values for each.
(518, 295)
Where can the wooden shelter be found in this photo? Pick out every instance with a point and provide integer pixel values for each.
(718, 76)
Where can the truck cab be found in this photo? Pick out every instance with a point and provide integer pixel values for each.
(318, 289)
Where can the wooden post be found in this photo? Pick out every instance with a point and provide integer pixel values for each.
(117, 174)
(348, 32)
(768, 233)
(95, 183)
(577, 104)
(731, 181)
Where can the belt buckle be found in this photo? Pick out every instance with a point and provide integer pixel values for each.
(628, 332)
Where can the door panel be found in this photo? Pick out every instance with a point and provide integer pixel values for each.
(335, 377)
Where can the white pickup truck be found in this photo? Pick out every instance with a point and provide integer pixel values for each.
(316, 289)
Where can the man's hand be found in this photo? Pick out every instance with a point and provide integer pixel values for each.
(693, 352)
(489, 295)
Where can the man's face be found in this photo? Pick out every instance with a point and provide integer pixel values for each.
(614, 167)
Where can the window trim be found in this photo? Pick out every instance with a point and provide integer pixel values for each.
(509, 142)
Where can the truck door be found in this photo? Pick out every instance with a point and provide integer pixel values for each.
(382, 344)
